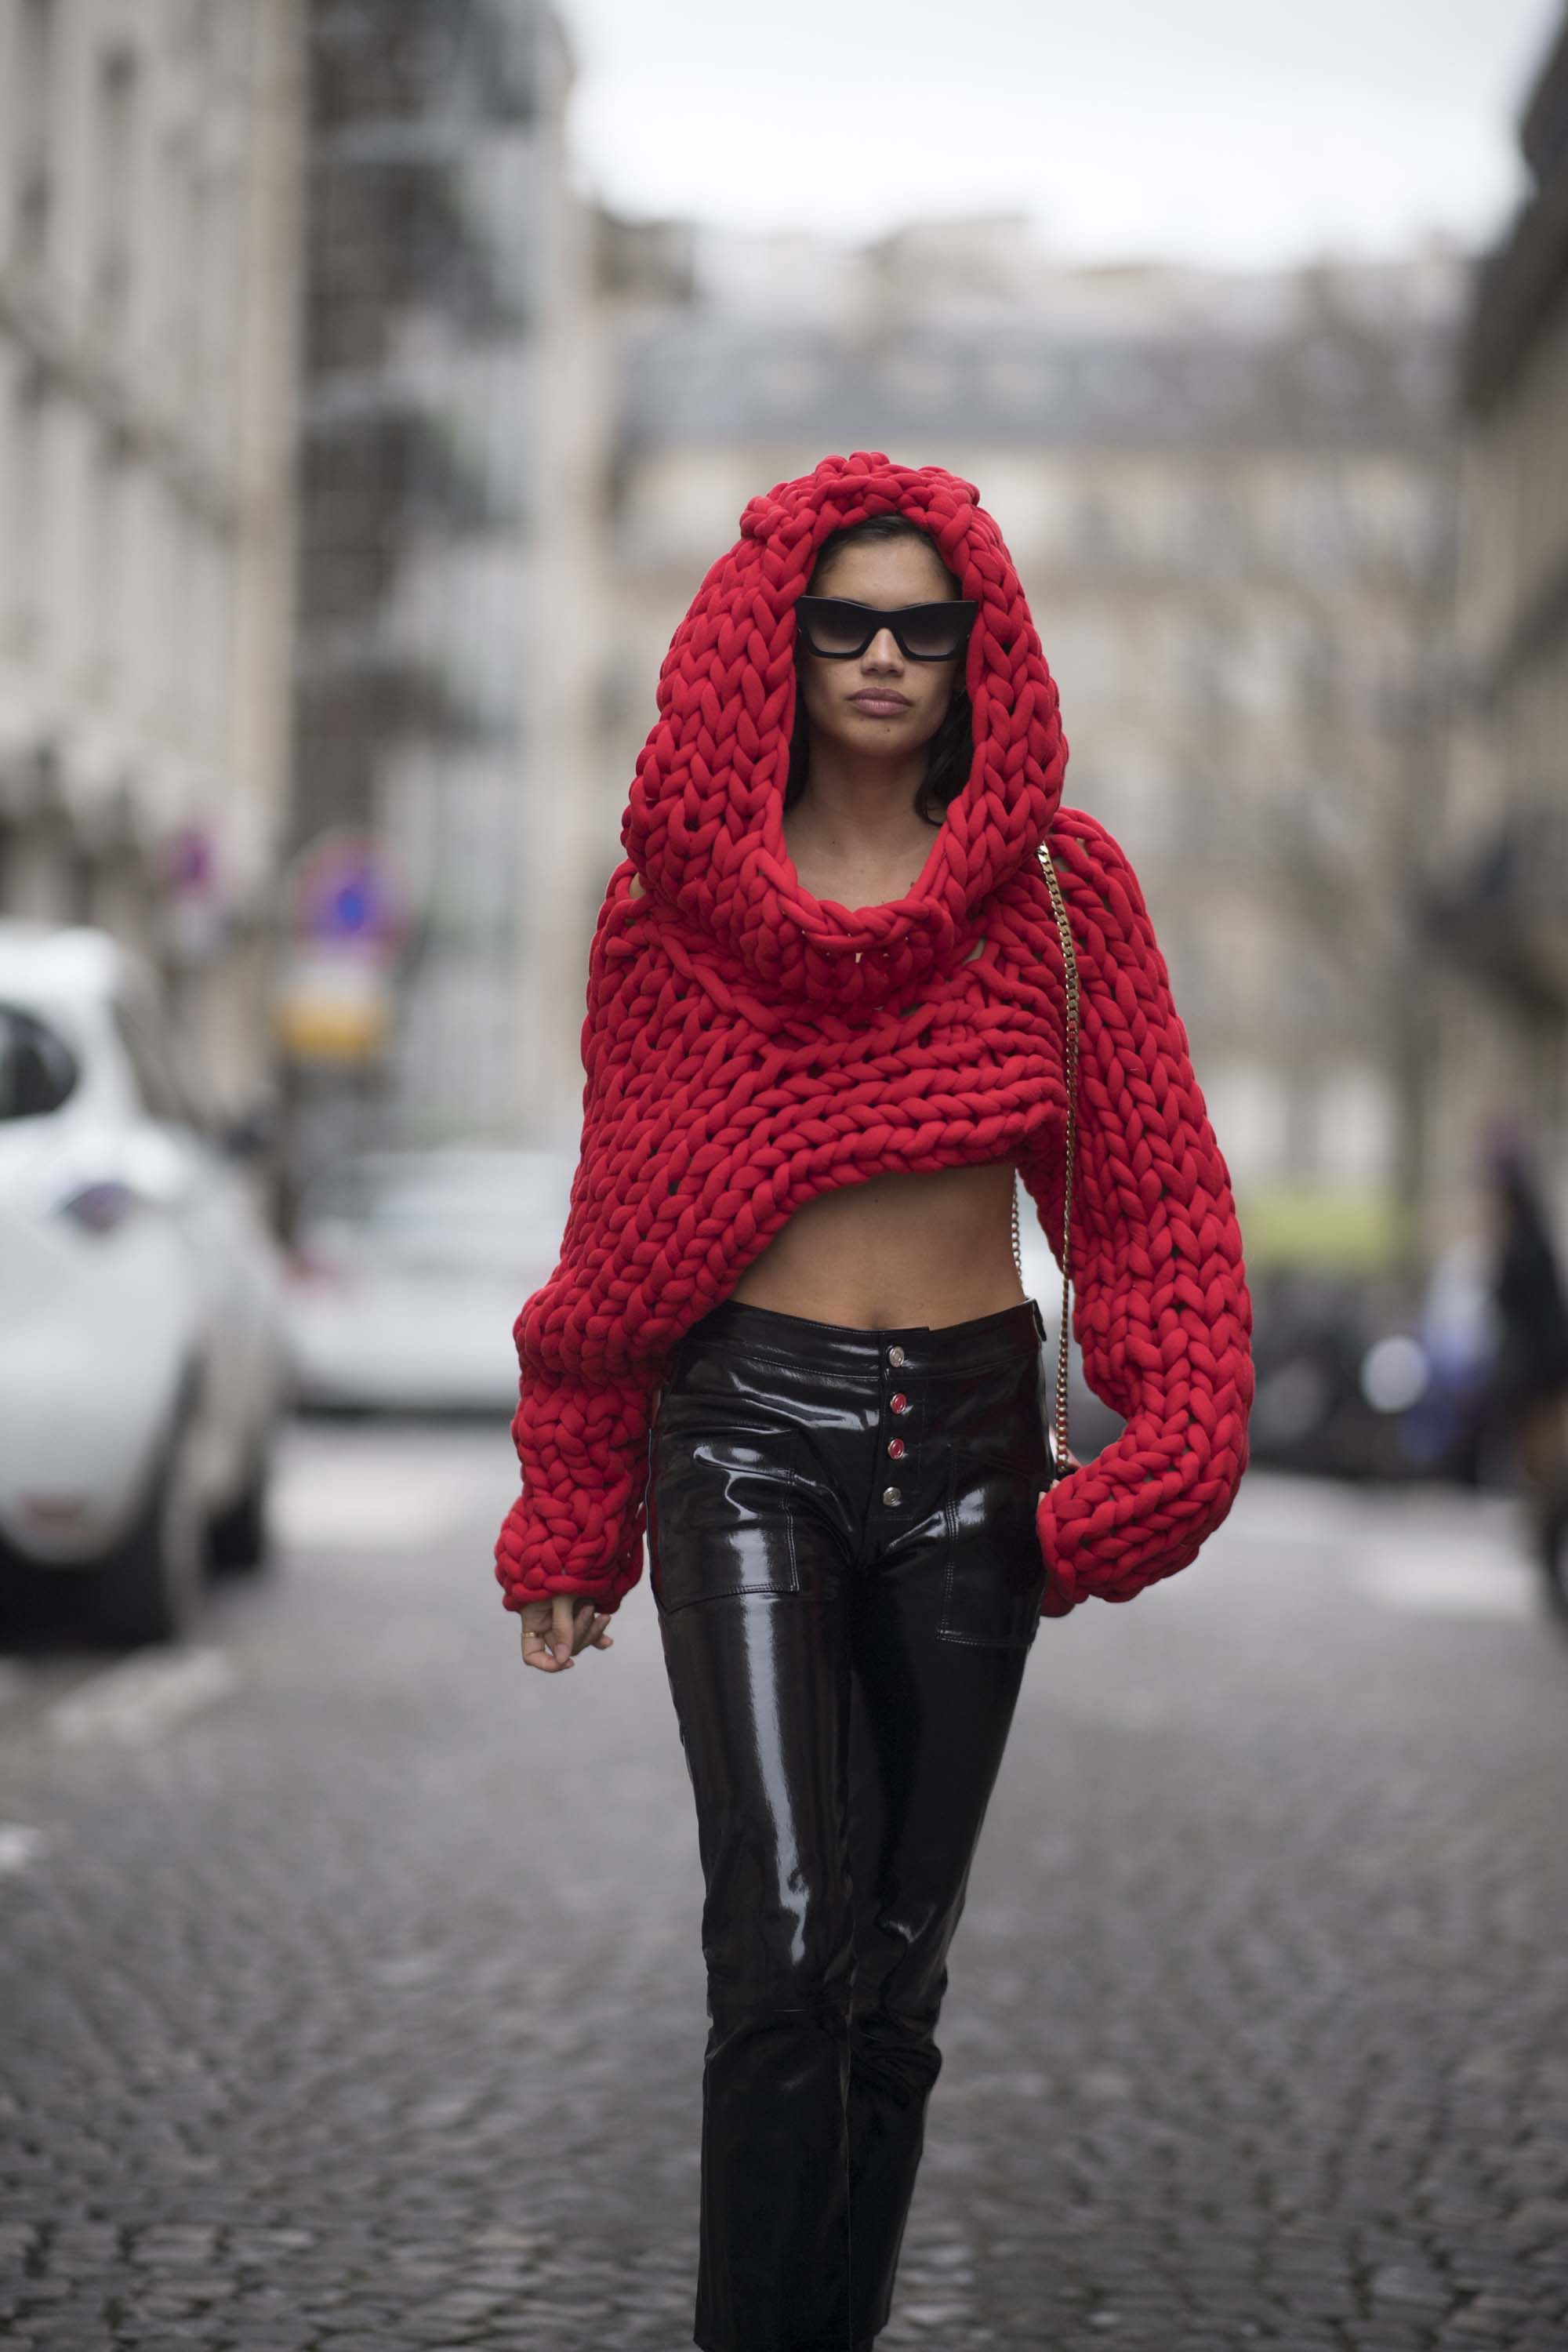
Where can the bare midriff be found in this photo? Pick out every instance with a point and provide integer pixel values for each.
(904, 1249)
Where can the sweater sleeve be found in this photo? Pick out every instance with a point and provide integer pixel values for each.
(581, 1429)
(1160, 1308)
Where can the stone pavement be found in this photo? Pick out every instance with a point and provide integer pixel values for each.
(353, 1998)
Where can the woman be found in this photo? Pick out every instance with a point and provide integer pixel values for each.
(787, 1335)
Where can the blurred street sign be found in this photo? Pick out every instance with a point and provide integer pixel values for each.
(348, 914)
(195, 908)
(333, 1004)
(346, 887)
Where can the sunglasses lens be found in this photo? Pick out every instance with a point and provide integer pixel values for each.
(837, 628)
(934, 632)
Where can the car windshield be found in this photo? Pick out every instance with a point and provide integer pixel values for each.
(37, 1068)
(466, 1213)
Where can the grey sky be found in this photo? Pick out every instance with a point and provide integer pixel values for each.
(1242, 131)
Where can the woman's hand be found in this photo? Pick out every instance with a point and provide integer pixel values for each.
(553, 1631)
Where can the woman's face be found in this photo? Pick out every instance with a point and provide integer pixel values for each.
(877, 701)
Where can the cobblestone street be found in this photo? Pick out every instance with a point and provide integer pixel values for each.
(353, 1997)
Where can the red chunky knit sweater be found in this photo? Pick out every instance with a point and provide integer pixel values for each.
(747, 1046)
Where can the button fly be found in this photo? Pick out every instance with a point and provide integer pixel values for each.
(896, 1448)
(900, 1403)
(892, 1494)
(895, 1355)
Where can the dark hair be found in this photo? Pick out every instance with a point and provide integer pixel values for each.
(950, 754)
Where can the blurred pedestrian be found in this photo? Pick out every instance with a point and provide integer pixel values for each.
(834, 1004)
(1528, 1395)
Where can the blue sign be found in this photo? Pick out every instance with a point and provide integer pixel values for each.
(348, 891)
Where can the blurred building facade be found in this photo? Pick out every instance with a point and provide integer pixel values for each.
(1503, 911)
(448, 536)
(150, 170)
(1231, 499)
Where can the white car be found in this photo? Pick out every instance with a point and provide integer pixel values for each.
(143, 1369)
(409, 1269)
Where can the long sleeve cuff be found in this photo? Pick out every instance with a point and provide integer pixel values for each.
(577, 1526)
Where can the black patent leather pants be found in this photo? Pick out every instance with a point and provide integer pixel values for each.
(844, 1558)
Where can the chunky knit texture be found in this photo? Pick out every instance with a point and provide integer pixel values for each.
(747, 1046)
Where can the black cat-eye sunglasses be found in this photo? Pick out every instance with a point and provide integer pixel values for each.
(837, 629)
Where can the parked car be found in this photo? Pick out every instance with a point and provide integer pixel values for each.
(142, 1367)
(409, 1269)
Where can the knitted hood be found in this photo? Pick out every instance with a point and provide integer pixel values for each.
(704, 824)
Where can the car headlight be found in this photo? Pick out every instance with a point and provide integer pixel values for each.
(99, 1208)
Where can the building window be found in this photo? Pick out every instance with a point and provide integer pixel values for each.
(23, 555)
(105, 581)
(1303, 1124)
(171, 253)
(30, 127)
(1357, 1125)
(1094, 529)
(1248, 1104)
(1217, 530)
(116, 184)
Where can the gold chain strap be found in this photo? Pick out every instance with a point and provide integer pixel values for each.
(1069, 965)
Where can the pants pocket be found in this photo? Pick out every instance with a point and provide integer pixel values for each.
(996, 1573)
(720, 1519)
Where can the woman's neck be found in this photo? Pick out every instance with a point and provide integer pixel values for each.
(857, 793)
(856, 820)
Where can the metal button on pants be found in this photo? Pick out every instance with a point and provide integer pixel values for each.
(844, 1650)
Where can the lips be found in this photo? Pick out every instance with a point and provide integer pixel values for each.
(880, 705)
